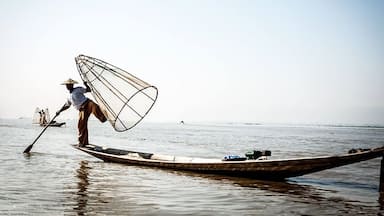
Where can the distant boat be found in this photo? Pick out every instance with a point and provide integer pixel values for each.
(42, 118)
(263, 168)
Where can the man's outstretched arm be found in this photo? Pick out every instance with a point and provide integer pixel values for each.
(65, 107)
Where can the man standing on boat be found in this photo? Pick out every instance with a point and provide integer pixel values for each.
(43, 118)
(85, 107)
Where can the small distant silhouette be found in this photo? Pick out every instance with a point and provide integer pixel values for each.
(181, 122)
(43, 118)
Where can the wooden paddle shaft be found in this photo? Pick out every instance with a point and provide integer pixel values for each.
(45, 128)
(28, 149)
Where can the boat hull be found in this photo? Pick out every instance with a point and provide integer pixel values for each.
(259, 169)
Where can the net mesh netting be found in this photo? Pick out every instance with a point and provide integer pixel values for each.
(124, 98)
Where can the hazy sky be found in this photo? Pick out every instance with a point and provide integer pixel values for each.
(234, 61)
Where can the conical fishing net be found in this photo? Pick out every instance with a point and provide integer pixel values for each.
(124, 98)
(36, 116)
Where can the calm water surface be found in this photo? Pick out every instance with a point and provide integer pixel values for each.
(56, 179)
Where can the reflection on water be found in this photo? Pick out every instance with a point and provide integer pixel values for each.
(82, 185)
(133, 190)
(285, 187)
(288, 187)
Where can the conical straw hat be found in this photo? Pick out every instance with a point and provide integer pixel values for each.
(69, 81)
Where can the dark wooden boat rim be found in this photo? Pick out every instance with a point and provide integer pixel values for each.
(276, 169)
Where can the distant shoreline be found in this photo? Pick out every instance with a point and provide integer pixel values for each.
(336, 125)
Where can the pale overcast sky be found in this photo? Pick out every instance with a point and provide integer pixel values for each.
(229, 61)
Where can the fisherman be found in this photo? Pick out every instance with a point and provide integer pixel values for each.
(43, 118)
(85, 107)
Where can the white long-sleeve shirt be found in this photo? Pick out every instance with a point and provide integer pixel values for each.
(77, 97)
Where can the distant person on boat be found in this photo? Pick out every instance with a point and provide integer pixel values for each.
(85, 107)
(43, 118)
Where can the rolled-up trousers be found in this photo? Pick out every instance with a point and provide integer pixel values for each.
(85, 111)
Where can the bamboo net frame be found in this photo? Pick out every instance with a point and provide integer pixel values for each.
(124, 98)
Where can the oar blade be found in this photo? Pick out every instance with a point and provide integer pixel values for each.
(28, 149)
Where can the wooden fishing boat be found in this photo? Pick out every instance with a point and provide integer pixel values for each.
(42, 118)
(54, 124)
(259, 169)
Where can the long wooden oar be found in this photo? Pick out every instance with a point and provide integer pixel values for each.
(28, 149)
